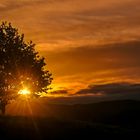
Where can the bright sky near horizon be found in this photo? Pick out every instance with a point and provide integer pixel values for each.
(85, 42)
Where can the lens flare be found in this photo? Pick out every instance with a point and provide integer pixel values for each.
(24, 92)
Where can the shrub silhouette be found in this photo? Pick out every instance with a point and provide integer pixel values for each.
(20, 66)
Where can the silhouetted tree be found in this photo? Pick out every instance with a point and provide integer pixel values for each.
(20, 66)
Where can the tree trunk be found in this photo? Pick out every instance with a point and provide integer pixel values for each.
(3, 106)
(3, 109)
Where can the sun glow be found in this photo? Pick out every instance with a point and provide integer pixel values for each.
(24, 92)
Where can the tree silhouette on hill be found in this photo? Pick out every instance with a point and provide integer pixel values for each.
(20, 66)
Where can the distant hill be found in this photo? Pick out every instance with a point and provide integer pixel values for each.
(125, 112)
(102, 120)
(112, 112)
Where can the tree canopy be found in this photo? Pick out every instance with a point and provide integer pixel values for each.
(20, 66)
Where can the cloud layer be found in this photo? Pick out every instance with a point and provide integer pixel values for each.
(62, 23)
(97, 41)
(107, 63)
(111, 89)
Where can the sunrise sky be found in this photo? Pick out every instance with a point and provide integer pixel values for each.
(92, 47)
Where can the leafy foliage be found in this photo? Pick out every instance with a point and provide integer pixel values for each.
(20, 65)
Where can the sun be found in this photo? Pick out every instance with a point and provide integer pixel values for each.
(24, 91)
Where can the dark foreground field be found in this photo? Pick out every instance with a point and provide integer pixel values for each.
(106, 120)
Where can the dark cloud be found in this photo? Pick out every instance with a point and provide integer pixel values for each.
(112, 89)
(64, 91)
(87, 59)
